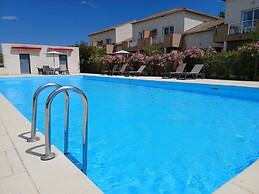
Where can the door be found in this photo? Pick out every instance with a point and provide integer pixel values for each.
(63, 61)
(25, 64)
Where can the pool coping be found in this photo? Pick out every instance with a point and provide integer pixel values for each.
(24, 171)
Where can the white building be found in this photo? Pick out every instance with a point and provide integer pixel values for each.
(202, 36)
(26, 58)
(166, 28)
(111, 37)
(241, 18)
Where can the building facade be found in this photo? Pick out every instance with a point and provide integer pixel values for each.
(241, 18)
(27, 58)
(165, 29)
(202, 36)
(112, 37)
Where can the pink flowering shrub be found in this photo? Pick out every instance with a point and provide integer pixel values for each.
(178, 58)
(240, 64)
(210, 52)
(193, 56)
(194, 52)
(154, 64)
(248, 56)
(252, 48)
(172, 60)
(136, 60)
(117, 59)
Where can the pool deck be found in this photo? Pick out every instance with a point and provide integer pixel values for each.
(22, 170)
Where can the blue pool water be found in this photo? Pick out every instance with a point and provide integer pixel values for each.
(150, 137)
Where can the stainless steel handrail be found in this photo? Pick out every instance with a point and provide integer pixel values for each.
(48, 154)
(34, 109)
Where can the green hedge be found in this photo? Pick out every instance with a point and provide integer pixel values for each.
(239, 65)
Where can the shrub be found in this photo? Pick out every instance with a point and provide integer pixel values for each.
(88, 57)
(220, 65)
(1, 58)
(248, 58)
(240, 64)
(153, 49)
(172, 61)
(193, 56)
(136, 60)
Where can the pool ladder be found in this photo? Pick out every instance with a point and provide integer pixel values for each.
(59, 88)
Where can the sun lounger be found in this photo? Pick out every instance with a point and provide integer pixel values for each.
(195, 72)
(121, 71)
(115, 67)
(177, 73)
(136, 73)
(46, 70)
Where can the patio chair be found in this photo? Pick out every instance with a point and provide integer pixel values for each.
(195, 72)
(40, 70)
(136, 73)
(115, 67)
(46, 70)
(177, 73)
(63, 69)
(121, 71)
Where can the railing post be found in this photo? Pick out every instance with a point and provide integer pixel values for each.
(66, 125)
(33, 137)
(48, 154)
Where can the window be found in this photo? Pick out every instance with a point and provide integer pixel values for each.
(249, 19)
(108, 41)
(141, 35)
(169, 30)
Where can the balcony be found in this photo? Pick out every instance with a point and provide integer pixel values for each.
(241, 28)
(234, 31)
(97, 43)
(109, 48)
(165, 41)
(133, 44)
(157, 40)
(172, 40)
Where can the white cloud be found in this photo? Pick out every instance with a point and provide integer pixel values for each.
(90, 3)
(9, 18)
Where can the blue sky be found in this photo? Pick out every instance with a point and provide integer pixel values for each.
(66, 22)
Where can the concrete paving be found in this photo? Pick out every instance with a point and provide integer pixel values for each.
(22, 171)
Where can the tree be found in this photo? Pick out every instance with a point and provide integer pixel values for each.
(254, 36)
(1, 58)
(87, 54)
(153, 49)
(221, 14)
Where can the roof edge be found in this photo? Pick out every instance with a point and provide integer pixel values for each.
(172, 11)
(111, 28)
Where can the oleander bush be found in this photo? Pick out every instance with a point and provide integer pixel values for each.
(248, 56)
(193, 56)
(239, 65)
(1, 58)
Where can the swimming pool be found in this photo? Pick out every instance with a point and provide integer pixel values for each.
(149, 137)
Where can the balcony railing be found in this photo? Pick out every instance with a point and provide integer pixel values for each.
(133, 44)
(243, 27)
(157, 39)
